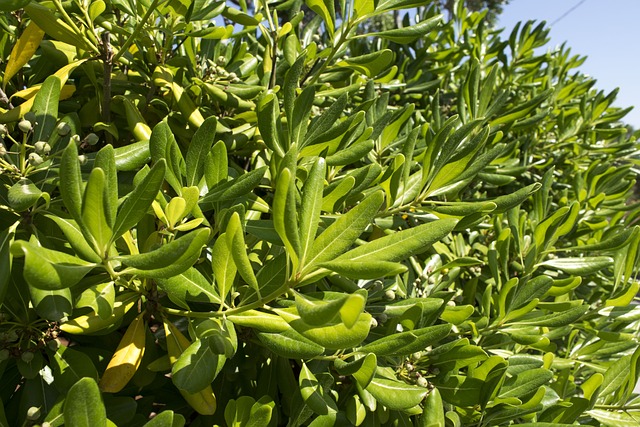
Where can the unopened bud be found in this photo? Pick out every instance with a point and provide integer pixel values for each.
(35, 159)
(91, 139)
(27, 357)
(3, 130)
(40, 145)
(82, 159)
(25, 126)
(76, 139)
(389, 295)
(33, 413)
(3, 150)
(422, 382)
(221, 60)
(63, 129)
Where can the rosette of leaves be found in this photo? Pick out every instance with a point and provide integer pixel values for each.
(288, 218)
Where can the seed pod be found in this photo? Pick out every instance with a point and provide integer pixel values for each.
(91, 139)
(33, 413)
(39, 146)
(27, 356)
(126, 360)
(35, 159)
(25, 126)
(63, 129)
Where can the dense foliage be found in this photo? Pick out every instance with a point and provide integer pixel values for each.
(215, 215)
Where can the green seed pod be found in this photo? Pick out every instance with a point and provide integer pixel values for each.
(25, 126)
(63, 129)
(91, 139)
(27, 356)
(422, 382)
(35, 159)
(33, 413)
(389, 295)
(53, 345)
(4, 354)
(39, 146)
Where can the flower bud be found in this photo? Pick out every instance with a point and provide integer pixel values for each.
(39, 146)
(3, 130)
(33, 413)
(91, 139)
(3, 149)
(25, 126)
(76, 139)
(221, 60)
(35, 159)
(422, 382)
(389, 295)
(63, 129)
(82, 159)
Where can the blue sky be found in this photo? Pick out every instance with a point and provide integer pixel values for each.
(607, 32)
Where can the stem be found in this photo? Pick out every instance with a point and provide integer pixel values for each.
(5, 100)
(107, 58)
(136, 31)
(334, 50)
(72, 24)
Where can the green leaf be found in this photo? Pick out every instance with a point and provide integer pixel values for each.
(370, 64)
(362, 369)
(405, 343)
(616, 419)
(409, 34)
(395, 394)
(137, 203)
(525, 383)
(163, 145)
(232, 190)
(11, 5)
(51, 304)
(166, 419)
(196, 367)
(340, 235)
(24, 194)
(312, 392)
(268, 112)
(333, 336)
(285, 216)
(238, 248)
(508, 201)
(170, 259)
(224, 268)
(311, 206)
(326, 10)
(70, 366)
(579, 266)
(75, 238)
(216, 165)
(105, 160)
(433, 413)
(132, 157)
(325, 309)
(6, 259)
(190, 285)
(94, 216)
(48, 269)
(198, 149)
(290, 344)
(556, 319)
(364, 269)
(71, 182)
(45, 107)
(100, 298)
(83, 405)
(402, 244)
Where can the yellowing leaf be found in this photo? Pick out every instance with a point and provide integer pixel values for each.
(23, 50)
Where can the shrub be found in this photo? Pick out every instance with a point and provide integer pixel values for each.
(277, 217)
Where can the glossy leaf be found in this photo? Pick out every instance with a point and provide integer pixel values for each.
(83, 405)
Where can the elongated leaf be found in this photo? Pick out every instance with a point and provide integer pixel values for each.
(370, 64)
(290, 344)
(526, 382)
(198, 149)
(579, 266)
(166, 419)
(238, 248)
(163, 145)
(311, 205)
(24, 194)
(340, 235)
(196, 367)
(71, 182)
(326, 9)
(284, 214)
(23, 50)
(190, 285)
(395, 394)
(70, 366)
(137, 203)
(75, 238)
(556, 319)
(105, 160)
(170, 259)
(408, 34)
(402, 244)
(364, 269)
(83, 405)
(45, 107)
(52, 304)
(232, 189)
(48, 269)
(94, 215)
(433, 414)
(405, 343)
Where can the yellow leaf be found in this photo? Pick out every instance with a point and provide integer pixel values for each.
(23, 51)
